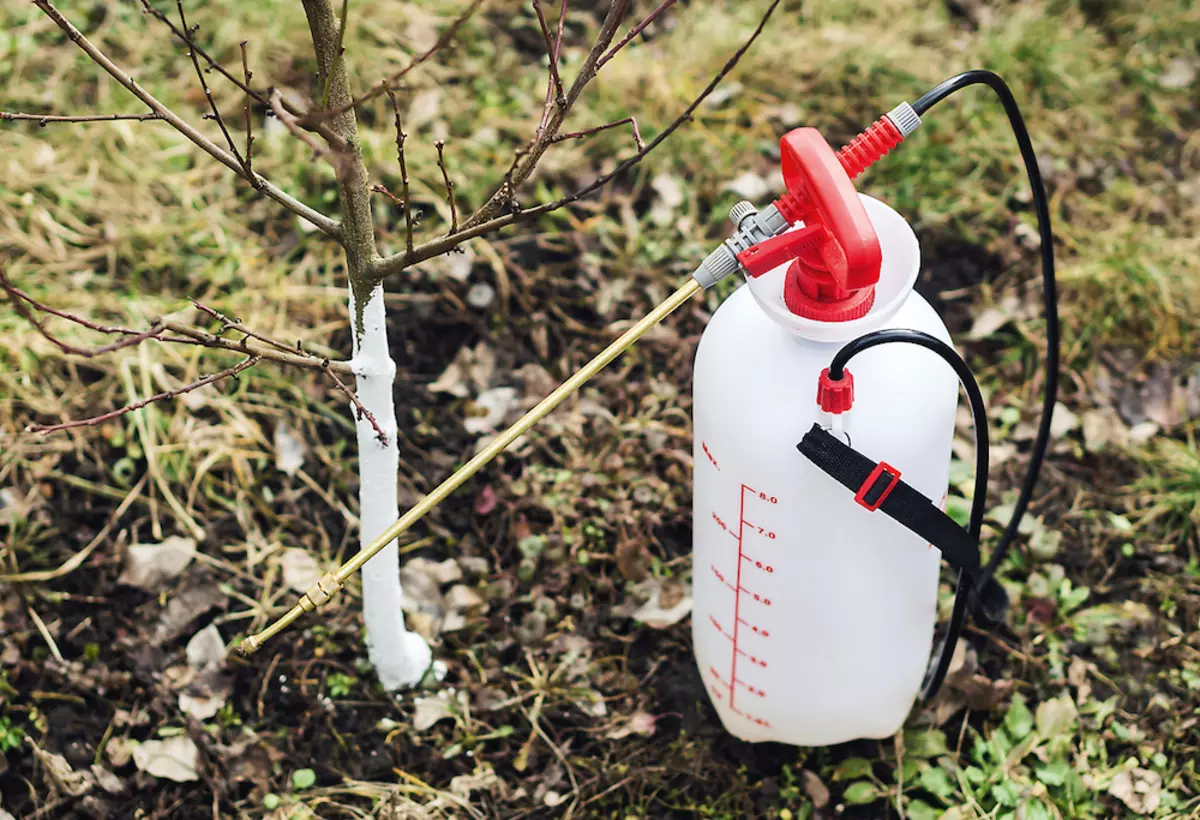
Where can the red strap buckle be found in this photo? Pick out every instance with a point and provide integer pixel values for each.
(881, 469)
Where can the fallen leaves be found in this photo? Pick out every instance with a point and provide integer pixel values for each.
(175, 758)
(1139, 789)
(151, 566)
(441, 706)
(290, 450)
(205, 687)
(668, 604)
(300, 569)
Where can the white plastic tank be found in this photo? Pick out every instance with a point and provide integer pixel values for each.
(813, 618)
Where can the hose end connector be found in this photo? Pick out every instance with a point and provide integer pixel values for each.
(835, 396)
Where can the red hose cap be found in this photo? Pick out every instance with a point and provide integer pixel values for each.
(835, 396)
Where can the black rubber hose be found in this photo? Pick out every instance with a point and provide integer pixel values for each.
(965, 584)
(991, 600)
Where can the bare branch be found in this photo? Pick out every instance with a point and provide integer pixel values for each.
(436, 247)
(283, 354)
(249, 134)
(441, 147)
(552, 48)
(389, 83)
(400, 138)
(138, 405)
(45, 119)
(293, 127)
(204, 55)
(552, 117)
(227, 159)
(359, 407)
(259, 96)
(325, 365)
(634, 32)
(576, 135)
(212, 104)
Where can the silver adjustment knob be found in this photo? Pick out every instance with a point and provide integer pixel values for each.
(740, 211)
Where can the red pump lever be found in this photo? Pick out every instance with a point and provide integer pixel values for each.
(836, 256)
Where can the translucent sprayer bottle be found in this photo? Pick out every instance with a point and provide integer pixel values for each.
(813, 620)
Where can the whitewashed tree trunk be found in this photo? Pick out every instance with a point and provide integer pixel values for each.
(400, 657)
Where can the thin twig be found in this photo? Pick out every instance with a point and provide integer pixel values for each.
(227, 159)
(553, 116)
(249, 134)
(359, 407)
(388, 83)
(260, 97)
(45, 119)
(339, 50)
(400, 138)
(576, 135)
(212, 103)
(325, 365)
(204, 55)
(19, 300)
(293, 126)
(138, 405)
(435, 247)
(440, 145)
(634, 32)
(202, 338)
(551, 49)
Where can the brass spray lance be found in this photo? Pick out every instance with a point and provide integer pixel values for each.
(752, 228)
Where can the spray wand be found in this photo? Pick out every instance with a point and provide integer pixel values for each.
(761, 241)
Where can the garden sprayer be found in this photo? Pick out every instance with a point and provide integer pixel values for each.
(819, 489)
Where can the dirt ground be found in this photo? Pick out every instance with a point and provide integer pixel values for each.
(116, 697)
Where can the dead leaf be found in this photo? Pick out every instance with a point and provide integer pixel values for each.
(749, 186)
(1056, 717)
(989, 320)
(1139, 789)
(119, 751)
(482, 779)
(817, 791)
(1180, 73)
(490, 409)
(669, 197)
(437, 707)
(290, 450)
(107, 780)
(471, 369)
(486, 501)
(183, 609)
(205, 649)
(1077, 676)
(60, 775)
(175, 758)
(1103, 427)
(151, 566)
(1063, 421)
(424, 107)
(668, 605)
(300, 569)
(639, 723)
(202, 707)
(14, 507)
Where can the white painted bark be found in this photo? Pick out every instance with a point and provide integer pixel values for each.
(400, 657)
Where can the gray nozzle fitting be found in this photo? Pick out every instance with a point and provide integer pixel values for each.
(751, 226)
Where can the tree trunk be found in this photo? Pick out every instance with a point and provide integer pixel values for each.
(400, 657)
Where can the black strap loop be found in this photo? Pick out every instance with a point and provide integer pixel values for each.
(877, 486)
(880, 487)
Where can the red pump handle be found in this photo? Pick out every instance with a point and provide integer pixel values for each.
(851, 254)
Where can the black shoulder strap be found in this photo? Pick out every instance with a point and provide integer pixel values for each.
(877, 487)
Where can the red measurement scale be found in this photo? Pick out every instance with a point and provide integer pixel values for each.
(753, 565)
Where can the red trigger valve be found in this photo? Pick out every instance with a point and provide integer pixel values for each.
(835, 256)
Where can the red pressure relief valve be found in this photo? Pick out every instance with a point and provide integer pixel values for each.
(835, 258)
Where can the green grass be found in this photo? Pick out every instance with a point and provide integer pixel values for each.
(1096, 672)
